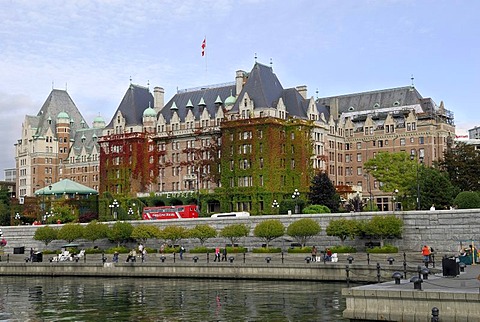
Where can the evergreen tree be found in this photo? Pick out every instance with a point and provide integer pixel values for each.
(322, 192)
(461, 163)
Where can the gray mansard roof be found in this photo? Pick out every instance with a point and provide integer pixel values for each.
(209, 96)
(400, 96)
(134, 102)
(58, 101)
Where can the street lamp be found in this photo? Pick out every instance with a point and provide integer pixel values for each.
(114, 208)
(295, 196)
(130, 213)
(412, 157)
(394, 206)
(275, 205)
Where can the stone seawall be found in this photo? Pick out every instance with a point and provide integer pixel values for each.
(444, 230)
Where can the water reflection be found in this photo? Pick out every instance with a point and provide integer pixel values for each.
(151, 299)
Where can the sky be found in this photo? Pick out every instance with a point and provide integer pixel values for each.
(95, 48)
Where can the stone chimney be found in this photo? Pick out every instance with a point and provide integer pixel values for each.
(159, 98)
(240, 79)
(302, 89)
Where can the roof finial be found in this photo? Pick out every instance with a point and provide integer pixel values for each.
(412, 86)
(66, 87)
(148, 83)
(53, 84)
(317, 93)
(271, 63)
(130, 80)
(255, 58)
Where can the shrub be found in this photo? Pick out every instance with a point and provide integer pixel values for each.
(467, 200)
(120, 249)
(300, 250)
(202, 250)
(264, 250)
(316, 209)
(387, 249)
(343, 249)
(236, 250)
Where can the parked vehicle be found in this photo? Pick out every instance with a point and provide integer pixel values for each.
(170, 212)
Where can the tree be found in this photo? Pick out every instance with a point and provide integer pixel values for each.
(45, 234)
(396, 171)
(120, 232)
(467, 200)
(234, 232)
(70, 232)
(94, 231)
(303, 229)
(322, 192)
(144, 232)
(269, 230)
(461, 163)
(434, 188)
(382, 227)
(4, 206)
(174, 233)
(202, 233)
(342, 228)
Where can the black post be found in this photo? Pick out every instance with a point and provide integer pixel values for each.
(404, 269)
(282, 257)
(244, 255)
(435, 315)
(348, 275)
(405, 257)
(368, 258)
(433, 260)
(208, 257)
(174, 254)
(378, 272)
(85, 258)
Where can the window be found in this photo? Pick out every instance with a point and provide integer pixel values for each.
(421, 140)
(359, 157)
(359, 171)
(402, 142)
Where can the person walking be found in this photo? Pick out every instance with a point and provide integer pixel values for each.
(224, 254)
(426, 254)
(314, 254)
(217, 254)
(182, 250)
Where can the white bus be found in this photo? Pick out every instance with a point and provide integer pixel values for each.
(238, 214)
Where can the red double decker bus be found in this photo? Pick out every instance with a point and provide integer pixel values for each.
(170, 212)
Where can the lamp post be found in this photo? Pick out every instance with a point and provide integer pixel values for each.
(275, 206)
(420, 159)
(130, 213)
(295, 196)
(114, 208)
(394, 198)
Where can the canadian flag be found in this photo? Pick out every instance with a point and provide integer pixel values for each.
(204, 45)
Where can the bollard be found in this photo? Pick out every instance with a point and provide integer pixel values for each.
(195, 259)
(282, 257)
(231, 259)
(307, 259)
(244, 257)
(350, 259)
(397, 276)
(404, 257)
(435, 315)
(268, 259)
(390, 260)
(425, 271)
(462, 267)
(405, 269)
(417, 283)
(368, 258)
(174, 256)
(208, 257)
(8, 258)
(419, 271)
(85, 257)
(347, 269)
(162, 258)
(378, 272)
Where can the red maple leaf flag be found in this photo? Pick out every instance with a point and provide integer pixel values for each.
(204, 45)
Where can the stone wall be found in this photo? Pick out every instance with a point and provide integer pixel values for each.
(444, 230)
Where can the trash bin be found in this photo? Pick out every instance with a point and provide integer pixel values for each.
(450, 266)
(37, 257)
(19, 250)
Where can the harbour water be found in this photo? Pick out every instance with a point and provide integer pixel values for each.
(153, 299)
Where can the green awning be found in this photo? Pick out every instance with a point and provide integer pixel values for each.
(66, 186)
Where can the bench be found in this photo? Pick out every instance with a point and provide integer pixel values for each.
(372, 244)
